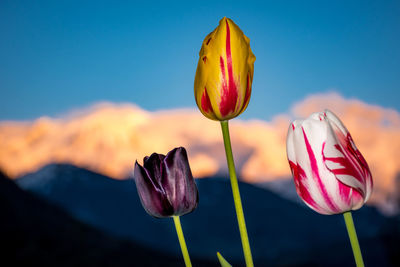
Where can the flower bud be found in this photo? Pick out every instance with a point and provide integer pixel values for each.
(330, 174)
(165, 184)
(224, 75)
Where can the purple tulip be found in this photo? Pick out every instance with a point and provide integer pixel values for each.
(330, 174)
(165, 184)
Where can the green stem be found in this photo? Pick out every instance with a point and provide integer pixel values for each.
(351, 230)
(236, 195)
(182, 242)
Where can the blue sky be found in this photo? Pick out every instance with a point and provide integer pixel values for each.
(60, 55)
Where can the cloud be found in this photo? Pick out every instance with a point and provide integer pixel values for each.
(108, 138)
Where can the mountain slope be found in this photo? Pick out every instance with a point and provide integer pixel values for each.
(281, 232)
(36, 233)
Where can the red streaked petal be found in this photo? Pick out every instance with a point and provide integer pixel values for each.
(205, 102)
(315, 173)
(222, 67)
(299, 177)
(345, 161)
(229, 94)
(247, 94)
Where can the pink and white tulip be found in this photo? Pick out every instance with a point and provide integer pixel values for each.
(330, 174)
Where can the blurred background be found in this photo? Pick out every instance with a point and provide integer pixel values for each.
(87, 88)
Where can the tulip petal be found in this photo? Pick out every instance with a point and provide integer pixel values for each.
(229, 88)
(247, 94)
(291, 154)
(308, 182)
(206, 107)
(151, 195)
(178, 182)
(300, 178)
(153, 165)
(342, 158)
(322, 183)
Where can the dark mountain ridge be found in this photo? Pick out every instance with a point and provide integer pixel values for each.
(281, 232)
(34, 232)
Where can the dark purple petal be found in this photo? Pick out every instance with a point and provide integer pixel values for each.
(153, 166)
(178, 183)
(152, 196)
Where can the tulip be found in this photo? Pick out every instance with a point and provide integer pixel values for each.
(167, 189)
(224, 75)
(330, 174)
(165, 184)
(222, 88)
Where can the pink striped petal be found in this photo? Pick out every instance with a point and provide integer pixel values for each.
(342, 158)
(330, 174)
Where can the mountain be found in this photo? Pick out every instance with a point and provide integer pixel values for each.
(36, 233)
(281, 232)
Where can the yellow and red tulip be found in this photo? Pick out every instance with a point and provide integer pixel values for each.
(224, 75)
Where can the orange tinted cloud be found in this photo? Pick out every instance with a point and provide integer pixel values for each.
(108, 138)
